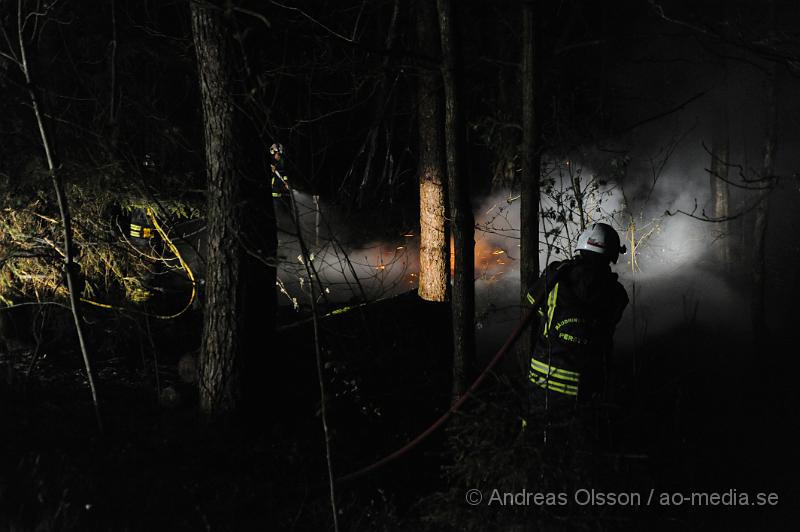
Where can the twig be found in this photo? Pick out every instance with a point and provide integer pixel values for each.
(253, 14)
(660, 115)
(704, 218)
(426, 60)
(318, 354)
(768, 179)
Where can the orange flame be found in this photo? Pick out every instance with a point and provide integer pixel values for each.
(490, 262)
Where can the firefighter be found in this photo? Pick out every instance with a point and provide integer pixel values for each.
(280, 184)
(584, 302)
(144, 237)
(141, 231)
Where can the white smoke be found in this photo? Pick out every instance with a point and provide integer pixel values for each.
(673, 281)
(346, 271)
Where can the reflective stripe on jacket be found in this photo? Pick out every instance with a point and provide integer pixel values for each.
(584, 301)
(137, 231)
(553, 378)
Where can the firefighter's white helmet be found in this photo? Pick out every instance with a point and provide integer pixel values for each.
(276, 150)
(601, 238)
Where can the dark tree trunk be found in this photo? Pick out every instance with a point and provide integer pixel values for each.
(507, 141)
(720, 191)
(529, 183)
(434, 263)
(462, 224)
(383, 102)
(758, 311)
(239, 295)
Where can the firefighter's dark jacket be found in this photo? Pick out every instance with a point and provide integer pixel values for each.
(584, 303)
(279, 183)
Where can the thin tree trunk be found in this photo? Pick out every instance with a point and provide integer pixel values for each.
(240, 291)
(113, 124)
(720, 194)
(311, 274)
(434, 247)
(720, 157)
(462, 222)
(529, 183)
(70, 267)
(382, 104)
(760, 329)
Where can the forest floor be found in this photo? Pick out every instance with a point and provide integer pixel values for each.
(687, 423)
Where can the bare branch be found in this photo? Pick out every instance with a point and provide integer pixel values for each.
(705, 218)
(769, 179)
(660, 12)
(762, 47)
(668, 112)
(9, 57)
(315, 21)
(253, 14)
(11, 54)
(430, 62)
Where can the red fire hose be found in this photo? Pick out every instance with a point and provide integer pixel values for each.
(453, 408)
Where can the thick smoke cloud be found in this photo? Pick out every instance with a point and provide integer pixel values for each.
(676, 280)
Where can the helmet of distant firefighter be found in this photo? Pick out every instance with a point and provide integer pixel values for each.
(602, 239)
